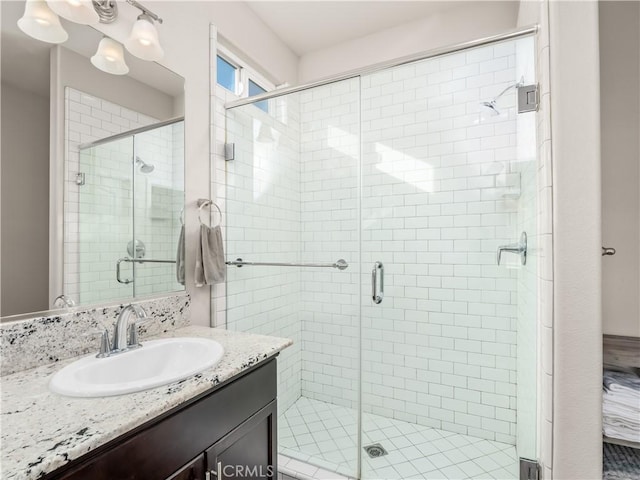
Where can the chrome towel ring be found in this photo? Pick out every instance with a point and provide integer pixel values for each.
(203, 203)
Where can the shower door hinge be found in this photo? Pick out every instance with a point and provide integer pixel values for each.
(529, 469)
(229, 151)
(528, 98)
(80, 179)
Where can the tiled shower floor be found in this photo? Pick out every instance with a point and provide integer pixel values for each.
(325, 435)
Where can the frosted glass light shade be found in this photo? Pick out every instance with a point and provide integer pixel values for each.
(41, 23)
(110, 57)
(78, 11)
(143, 41)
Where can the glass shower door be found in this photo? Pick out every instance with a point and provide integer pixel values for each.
(292, 197)
(448, 335)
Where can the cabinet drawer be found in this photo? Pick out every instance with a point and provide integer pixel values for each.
(158, 449)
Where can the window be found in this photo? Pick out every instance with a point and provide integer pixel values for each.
(237, 76)
(227, 74)
(255, 89)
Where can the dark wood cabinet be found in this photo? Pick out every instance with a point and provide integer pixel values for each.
(233, 426)
(243, 453)
(194, 470)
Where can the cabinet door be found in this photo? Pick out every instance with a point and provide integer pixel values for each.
(194, 470)
(249, 451)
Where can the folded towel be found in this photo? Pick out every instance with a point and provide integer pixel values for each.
(210, 266)
(180, 258)
(622, 382)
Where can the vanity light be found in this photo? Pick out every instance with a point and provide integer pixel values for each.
(143, 41)
(41, 23)
(78, 11)
(110, 57)
(265, 135)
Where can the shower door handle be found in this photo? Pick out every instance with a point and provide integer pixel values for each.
(378, 270)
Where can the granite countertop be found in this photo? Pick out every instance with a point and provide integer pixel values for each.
(42, 431)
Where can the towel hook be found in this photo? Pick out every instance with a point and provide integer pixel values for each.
(202, 203)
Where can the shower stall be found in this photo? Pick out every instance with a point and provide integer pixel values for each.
(130, 192)
(417, 360)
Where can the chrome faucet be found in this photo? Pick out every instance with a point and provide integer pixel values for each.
(125, 335)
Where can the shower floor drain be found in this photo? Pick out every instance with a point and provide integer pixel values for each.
(375, 450)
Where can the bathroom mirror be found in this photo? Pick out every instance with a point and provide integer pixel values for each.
(92, 173)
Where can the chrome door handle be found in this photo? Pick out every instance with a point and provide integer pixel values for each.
(519, 248)
(375, 295)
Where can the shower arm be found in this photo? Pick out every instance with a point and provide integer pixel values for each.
(515, 85)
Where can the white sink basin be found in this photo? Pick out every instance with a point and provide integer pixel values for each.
(157, 362)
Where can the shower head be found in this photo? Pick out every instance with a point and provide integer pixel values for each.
(144, 167)
(493, 104)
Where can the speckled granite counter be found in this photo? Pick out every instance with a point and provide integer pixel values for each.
(42, 431)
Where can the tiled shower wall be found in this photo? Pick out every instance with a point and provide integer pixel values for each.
(99, 214)
(263, 225)
(439, 195)
(159, 198)
(441, 190)
(330, 157)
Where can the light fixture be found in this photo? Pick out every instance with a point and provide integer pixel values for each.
(78, 11)
(265, 135)
(143, 41)
(41, 23)
(110, 57)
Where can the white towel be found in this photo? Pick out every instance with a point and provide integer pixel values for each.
(210, 266)
(621, 405)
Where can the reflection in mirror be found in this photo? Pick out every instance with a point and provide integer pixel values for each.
(92, 173)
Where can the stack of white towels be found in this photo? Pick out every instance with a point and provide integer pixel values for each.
(621, 405)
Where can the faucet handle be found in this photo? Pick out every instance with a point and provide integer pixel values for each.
(141, 319)
(105, 345)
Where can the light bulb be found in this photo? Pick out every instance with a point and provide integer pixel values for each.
(78, 11)
(110, 57)
(143, 41)
(41, 23)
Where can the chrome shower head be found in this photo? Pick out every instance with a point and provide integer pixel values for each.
(144, 167)
(491, 105)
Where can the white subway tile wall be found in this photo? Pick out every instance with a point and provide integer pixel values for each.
(444, 182)
(99, 214)
(330, 158)
(440, 194)
(263, 225)
(544, 276)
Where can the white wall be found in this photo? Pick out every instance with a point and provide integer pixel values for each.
(185, 38)
(620, 105)
(577, 328)
(25, 232)
(447, 28)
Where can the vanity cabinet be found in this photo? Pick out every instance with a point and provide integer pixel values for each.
(194, 470)
(228, 432)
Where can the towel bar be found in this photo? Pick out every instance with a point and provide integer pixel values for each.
(135, 260)
(339, 264)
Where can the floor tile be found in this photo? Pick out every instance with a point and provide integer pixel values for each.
(324, 436)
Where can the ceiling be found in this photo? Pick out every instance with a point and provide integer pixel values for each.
(306, 26)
